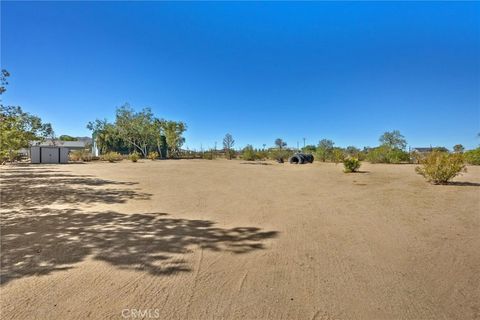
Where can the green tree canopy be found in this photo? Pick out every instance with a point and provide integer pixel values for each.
(18, 128)
(393, 140)
(458, 148)
(325, 149)
(65, 137)
(280, 143)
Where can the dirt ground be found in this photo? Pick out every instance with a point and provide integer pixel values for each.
(199, 239)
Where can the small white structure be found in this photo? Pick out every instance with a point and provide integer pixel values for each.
(49, 154)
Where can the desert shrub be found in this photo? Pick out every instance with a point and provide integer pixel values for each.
(230, 154)
(248, 153)
(80, 155)
(351, 164)
(338, 155)
(378, 155)
(385, 154)
(440, 167)
(134, 156)
(473, 156)
(261, 154)
(111, 156)
(10, 156)
(152, 155)
(397, 156)
(280, 155)
(208, 155)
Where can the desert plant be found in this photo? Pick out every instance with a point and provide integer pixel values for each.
(261, 154)
(351, 164)
(228, 143)
(280, 143)
(111, 156)
(385, 154)
(134, 156)
(248, 153)
(80, 155)
(152, 155)
(393, 140)
(280, 155)
(324, 150)
(473, 156)
(338, 155)
(440, 167)
(230, 154)
(458, 148)
(208, 155)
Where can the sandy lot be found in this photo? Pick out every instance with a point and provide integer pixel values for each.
(199, 239)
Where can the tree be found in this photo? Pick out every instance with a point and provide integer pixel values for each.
(18, 129)
(3, 80)
(65, 137)
(228, 143)
(325, 149)
(173, 133)
(458, 148)
(248, 153)
(309, 149)
(393, 140)
(136, 128)
(280, 143)
(352, 151)
(106, 136)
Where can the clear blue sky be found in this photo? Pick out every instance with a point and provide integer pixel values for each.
(344, 71)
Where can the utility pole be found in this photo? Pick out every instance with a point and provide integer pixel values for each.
(304, 142)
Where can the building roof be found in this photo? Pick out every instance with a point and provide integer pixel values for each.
(422, 149)
(60, 143)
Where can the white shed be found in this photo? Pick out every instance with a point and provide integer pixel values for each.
(49, 154)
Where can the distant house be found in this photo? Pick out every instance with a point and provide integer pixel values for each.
(422, 150)
(70, 145)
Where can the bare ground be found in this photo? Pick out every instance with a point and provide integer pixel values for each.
(198, 239)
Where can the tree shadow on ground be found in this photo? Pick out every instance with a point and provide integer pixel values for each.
(41, 241)
(28, 187)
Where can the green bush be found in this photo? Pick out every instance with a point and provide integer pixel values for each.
(80, 155)
(208, 155)
(261, 154)
(230, 154)
(248, 153)
(152, 155)
(134, 156)
(473, 156)
(111, 156)
(338, 155)
(385, 154)
(440, 167)
(280, 155)
(351, 164)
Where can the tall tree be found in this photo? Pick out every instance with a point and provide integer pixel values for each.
(3, 80)
(106, 136)
(18, 129)
(136, 128)
(228, 143)
(173, 133)
(280, 143)
(458, 148)
(325, 149)
(393, 140)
